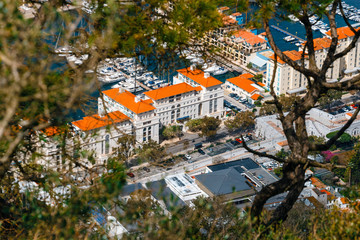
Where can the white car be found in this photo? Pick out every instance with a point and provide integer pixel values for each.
(187, 156)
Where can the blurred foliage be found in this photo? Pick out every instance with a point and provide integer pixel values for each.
(242, 121)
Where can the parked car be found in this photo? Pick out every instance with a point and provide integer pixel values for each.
(187, 156)
(201, 151)
(210, 149)
(130, 174)
(146, 169)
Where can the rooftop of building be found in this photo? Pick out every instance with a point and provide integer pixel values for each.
(243, 82)
(224, 181)
(162, 192)
(343, 32)
(96, 121)
(198, 76)
(227, 20)
(256, 96)
(183, 185)
(249, 37)
(127, 99)
(293, 55)
(246, 162)
(172, 90)
(130, 188)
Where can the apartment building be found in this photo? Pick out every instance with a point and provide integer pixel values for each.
(141, 112)
(241, 46)
(243, 86)
(209, 100)
(290, 81)
(94, 135)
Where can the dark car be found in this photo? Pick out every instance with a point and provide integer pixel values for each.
(130, 174)
(146, 169)
(201, 151)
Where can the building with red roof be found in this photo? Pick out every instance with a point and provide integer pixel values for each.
(245, 87)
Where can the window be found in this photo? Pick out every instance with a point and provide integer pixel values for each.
(107, 144)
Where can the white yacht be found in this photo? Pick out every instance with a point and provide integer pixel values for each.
(221, 70)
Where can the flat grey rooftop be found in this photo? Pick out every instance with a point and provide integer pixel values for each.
(224, 181)
(161, 191)
(128, 189)
(246, 162)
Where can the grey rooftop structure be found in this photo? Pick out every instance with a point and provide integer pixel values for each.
(162, 192)
(246, 163)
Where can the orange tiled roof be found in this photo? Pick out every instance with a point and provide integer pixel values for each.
(224, 8)
(236, 14)
(283, 143)
(325, 191)
(320, 43)
(344, 200)
(261, 84)
(249, 37)
(317, 183)
(127, 99)
(95, 121)
(243, 83)
(343, 32)
(169, 91)
(255, 96)
(197, 75)
(293, 55)
(247, 75)
(228, 20)
(51, 131)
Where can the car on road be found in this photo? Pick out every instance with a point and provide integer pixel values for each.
(146, 169)
(130, 174)
(201, 151)
(187, 156)
(210, 149)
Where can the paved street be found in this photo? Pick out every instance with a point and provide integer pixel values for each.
(201, 161)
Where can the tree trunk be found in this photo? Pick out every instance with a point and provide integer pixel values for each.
(292, 181)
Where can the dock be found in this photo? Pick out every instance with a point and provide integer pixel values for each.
(287, 33)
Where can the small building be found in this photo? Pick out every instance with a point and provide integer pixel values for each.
(243, 86)
(229, 184)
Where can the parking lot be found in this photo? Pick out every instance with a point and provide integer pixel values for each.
(234, 102)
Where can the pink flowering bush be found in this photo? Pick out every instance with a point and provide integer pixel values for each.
(328, 155)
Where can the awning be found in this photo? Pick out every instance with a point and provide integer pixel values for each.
(258, 61)
(296, 90)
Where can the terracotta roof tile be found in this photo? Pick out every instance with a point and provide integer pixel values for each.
(197, 75)
(317, 183)
(243, 83)
(228, 20)
(320, 43)
(293, 55)
(224, 8)
(247, 75)
(127, 99)
(96, 121)
(343, 32)
(255, 96)
(51, 131)
(170, 91)
(249, 37)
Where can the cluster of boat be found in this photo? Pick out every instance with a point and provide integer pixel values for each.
(351, 12)
(209, 67)
(128, 74)
(293, 40)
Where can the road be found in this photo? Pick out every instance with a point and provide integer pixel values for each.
(201, 161)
